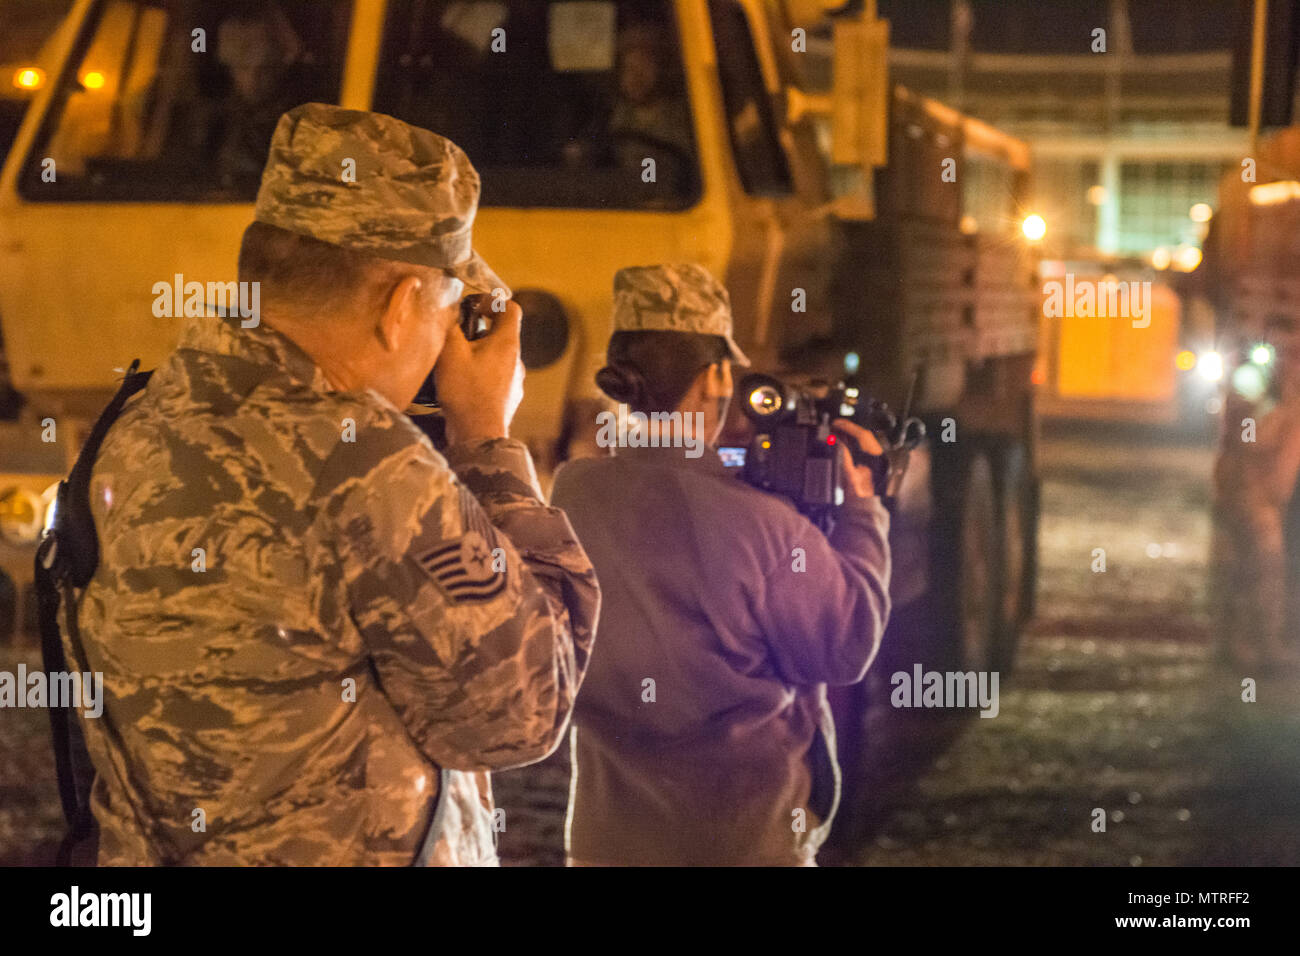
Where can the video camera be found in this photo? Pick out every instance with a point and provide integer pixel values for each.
(796, 453)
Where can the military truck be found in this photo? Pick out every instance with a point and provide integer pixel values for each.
(860, 228)
(1248, 281)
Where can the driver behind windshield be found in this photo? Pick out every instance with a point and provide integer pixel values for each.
(648, 119)
(646, 113)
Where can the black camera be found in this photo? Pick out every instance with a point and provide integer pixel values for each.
(796, 453)
(424, 411)
(475, 323)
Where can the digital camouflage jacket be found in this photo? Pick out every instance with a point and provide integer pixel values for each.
(317, 634)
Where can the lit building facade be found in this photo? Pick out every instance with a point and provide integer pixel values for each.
(1124, 103)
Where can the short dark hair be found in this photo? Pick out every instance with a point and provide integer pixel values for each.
(651, 371)
(307, 271)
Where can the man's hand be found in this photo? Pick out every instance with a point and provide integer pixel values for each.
(858, 482)
(481, 383)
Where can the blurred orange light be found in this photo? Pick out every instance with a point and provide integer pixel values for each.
(1271, 194)
(1187, 259)
(1185, 360)
(94, 80)
(29, 78)
(1037, 377)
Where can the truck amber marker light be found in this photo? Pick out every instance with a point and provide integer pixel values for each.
(29, 78)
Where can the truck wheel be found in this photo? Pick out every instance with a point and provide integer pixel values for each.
(8, 609)
(1018, 513)
(979, 587)
(1291, 540)
(968, 564)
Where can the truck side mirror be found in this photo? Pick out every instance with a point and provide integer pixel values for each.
(860, 93)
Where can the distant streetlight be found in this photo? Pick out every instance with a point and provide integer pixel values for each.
(1097, 195)
(1161, 258)
(1201, 212)
(1034, 228)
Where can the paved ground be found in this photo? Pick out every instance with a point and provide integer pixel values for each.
(1117, 703)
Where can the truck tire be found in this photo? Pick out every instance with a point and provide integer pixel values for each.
(1291, 540)
(8, 609)
(969, 564)
(1017, 493)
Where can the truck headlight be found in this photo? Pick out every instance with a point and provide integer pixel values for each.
(1210, 366)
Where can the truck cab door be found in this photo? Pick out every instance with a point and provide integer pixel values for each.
(780, 258)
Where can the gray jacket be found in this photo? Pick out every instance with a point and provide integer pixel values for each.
(702, 733)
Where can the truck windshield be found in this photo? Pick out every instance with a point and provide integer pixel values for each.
(575, 103)
(24, 66)
(176, 100)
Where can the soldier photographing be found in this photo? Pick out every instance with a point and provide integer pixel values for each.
(704, 735)
(318, 635)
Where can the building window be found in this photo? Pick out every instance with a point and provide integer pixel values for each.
(1155, 199)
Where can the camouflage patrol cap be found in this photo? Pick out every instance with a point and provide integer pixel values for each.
(412, 199)
(681, 297)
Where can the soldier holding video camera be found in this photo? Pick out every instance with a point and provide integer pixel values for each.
(703, 735)
(317, 633)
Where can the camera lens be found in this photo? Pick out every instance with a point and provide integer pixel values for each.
(765, 400)
(473, 322)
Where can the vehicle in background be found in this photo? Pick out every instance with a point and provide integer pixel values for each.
(28, 48)
(1249, 280)
(860, 229)
(29, 45)
(1160, 369)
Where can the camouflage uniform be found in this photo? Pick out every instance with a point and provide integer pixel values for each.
(682, 297)
(334, 685)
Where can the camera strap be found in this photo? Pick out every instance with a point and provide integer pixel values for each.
(65, 563)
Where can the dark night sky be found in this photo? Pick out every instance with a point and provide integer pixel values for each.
(1064, 26)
